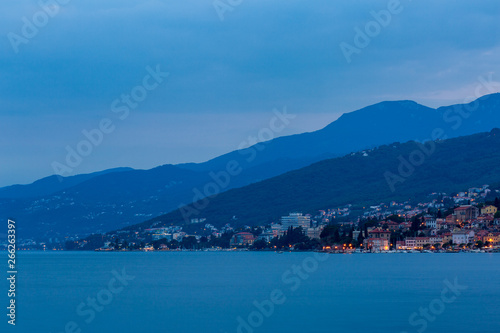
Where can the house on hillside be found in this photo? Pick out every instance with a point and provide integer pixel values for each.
(481, 235)
(447, 237)
(452, 221)
(441, 224)
(392, 226)
(379, 233)
(485, 219)
(466, 213)
(489, 210)
(493, 238)
(405, 226)
(430, 221)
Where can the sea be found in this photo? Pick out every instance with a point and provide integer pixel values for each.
(246, 292)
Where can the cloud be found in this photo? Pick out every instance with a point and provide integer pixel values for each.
(265, 54)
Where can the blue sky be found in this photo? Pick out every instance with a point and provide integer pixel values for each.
(225, 76)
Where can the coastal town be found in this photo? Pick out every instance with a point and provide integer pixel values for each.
(467, 221)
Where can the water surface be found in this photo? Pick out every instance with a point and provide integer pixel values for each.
(214, 292)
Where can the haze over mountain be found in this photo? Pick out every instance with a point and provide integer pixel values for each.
(117, 198)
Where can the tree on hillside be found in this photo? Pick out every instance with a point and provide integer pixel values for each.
(292, 237)
(361, 239)
(259, 244)
(415, 223)
(330, 234)
(189, 242)
(396, 218)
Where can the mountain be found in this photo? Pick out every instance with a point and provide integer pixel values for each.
(399, 172)
(369, 127)
(108, 200)
(50, 185)
(116, 199)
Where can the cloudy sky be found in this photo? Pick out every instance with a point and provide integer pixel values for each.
(229, 66)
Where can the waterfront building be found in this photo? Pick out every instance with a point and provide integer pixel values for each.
(463, 237)
(376, 244)
(242, 239)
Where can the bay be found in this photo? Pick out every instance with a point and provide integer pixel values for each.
(219, 292)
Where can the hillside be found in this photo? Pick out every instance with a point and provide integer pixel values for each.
(118, 198)
(359, 178)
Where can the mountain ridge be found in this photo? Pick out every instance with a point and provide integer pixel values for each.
(51, 184)
(108, 201)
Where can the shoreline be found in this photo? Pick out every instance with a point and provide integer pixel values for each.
(261, 251)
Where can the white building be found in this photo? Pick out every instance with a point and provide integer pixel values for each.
(276, 230)
(314, 233)
(266, 236)
(430, 222)
(295, 220)
(463, 237)
(410, 243)
(158, 236)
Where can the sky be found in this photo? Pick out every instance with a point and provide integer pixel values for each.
(69, 67)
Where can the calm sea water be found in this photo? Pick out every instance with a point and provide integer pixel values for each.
(214, 292)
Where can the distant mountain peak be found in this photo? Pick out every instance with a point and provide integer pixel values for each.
(398, 106)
